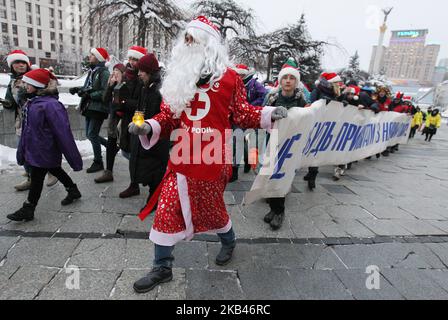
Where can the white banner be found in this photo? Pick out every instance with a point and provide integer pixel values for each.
(324, 135)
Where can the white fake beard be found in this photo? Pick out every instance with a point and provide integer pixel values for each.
(205, 57)
(183, 73)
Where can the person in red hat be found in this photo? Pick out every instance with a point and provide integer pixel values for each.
(134, 86)
(147, 167)
(92, 105)
(46, 136)
(203, 98)
(327, 88)
(115, 99)
(19, 64)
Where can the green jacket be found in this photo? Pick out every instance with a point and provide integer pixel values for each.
(94, 100)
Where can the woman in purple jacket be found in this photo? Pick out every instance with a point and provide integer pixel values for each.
(46, 136)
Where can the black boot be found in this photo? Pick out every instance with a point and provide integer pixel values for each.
(385, 153)
(312, 182)
(269, 217)
(378, 155)
(234, 174)
(96, 167)
(307, 177)
(156, 277)
(26, 213)
(277, 222)
(73, 194)
(132, 191)
(247, 168)
(225, 255)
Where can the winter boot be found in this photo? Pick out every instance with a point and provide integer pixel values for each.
(51, 180)
(24, 186)
(385, 153)
(277, 222)
(73, 194)
(247, 168)
(269, 217)
(26, 213)
(234, 174)
(156, 277)
(132, 191)
(378, 155)
(225, 255)
(96, 167)
(107, 176)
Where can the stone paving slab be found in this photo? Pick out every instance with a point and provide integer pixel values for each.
(26, 283)
(5, 245)
(355, 281)
(100, 254)
(415, 284)
(42, 252)
(93, 285)
(91, 223)
(213, 285)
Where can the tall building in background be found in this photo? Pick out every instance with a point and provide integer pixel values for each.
(59, 33)
(49, 31)
(408, 57)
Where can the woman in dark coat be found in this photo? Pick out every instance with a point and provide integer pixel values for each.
(147, 167)
(46, 136)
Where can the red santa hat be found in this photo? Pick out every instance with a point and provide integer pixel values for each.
(290, 68)
(241, 69)
(137, 52)
(202, 23)
(17, 55)
(100, 53)
(399, 95)
(355, 90)
(38, 78)
(331, 77)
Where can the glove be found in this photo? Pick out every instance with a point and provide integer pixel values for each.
(143, 130)
(279, 113)
(73, 91)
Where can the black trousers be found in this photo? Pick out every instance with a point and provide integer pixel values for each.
(413, 131)
(277, 205)
(38, 178)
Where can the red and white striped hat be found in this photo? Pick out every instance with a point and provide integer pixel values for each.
(202, 23)
(137, 52)
(38, 78)
(100, 53)
(17, 55)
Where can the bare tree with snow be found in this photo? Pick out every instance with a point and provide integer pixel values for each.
(145, 15)
(231, 18)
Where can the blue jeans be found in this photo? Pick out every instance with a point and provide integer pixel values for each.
(163, 256)
(93, 128)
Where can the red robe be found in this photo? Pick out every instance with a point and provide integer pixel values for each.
(192, 196)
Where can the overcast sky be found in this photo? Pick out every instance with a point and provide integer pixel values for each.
(352, 24)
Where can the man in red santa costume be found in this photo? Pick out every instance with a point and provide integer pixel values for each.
(203, 98)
